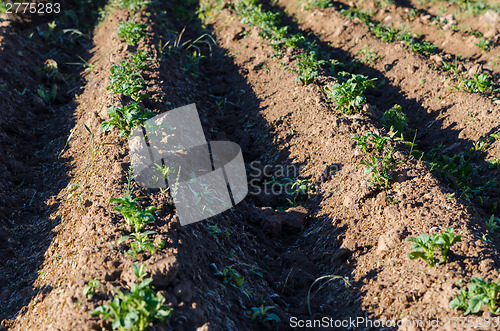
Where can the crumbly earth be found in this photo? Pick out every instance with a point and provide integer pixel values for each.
(58, 171)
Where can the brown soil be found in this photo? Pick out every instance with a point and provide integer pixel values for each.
(59, 232)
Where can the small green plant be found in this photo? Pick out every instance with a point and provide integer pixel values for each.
(307, 67)
(493, 224)
(135, 309)
(362, 141)
(126, 118)
(478, 83)
(395, 120)
(231, 276)
(349, 95)
(479, 292)
(126, 79)
(379, 141)
(140, 243)
(298, 188)
(132, 32)
(49, 97)
(423, 47)
(368, 56)
(139, 59)
(262, 313)
(380, 169)
(133, 5)
(425, 245)
(485, 44)
(91, 288)
(134, 215)
(215, 231)
(494, 164)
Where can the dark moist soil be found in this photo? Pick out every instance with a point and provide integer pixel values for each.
(69, 232)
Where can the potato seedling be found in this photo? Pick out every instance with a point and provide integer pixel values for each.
(132, 32)
(380, 169)
(134, 215)
(425, 245)
(126, 118)
(368, 56)
(485, 44)
(126, 79)
(395, 120)
(349, 95)
(91, 288)
(307, 67)
(362, 141)
(231, 276)
(479, 292)
(478, 83)
(262, 313)
(137, 308)
(140, 243)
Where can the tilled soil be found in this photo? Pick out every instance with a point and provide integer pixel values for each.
(64, 235)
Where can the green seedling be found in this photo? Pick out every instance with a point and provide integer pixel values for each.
(126, 79)
(132, 32)
(425, 245)
(126, 118)
(231, 276)
(298, 188)
(379, 142)
(493, 224)
(139, 59)
(92, 287)
(134, 215)
(262, 313)
(307, 67)
(380, 169)
(140, 243)
(387, 34)
(349, 96)
(485, 44)
(133, 5)
(137, 308)
(494, 164)
(478, 83)
(368, 56)
(479, 292)
(362, 141)
(49, 97)
(395, 120)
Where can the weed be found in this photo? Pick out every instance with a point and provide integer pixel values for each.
(137, 308)
(126, 118)
(262, 313)
(49, 97)
(132, 32)
(140, 243)
(479, 292)
(392, 200)
(485, 44)
(134, 215)
(425, 245)
(349, 95)
(395, 120)
(91, 288)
